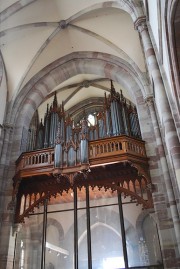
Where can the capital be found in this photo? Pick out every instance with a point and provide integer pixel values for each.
(149, 100)
(7, 127)
(140, 24)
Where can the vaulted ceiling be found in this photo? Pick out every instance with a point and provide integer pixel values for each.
(35, 33)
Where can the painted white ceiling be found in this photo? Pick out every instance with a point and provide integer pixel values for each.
(30, 39)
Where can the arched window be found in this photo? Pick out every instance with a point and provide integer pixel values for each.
(91, 120)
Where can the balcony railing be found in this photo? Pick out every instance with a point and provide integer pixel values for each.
(106, 150)
(35, 162)
(116, 148)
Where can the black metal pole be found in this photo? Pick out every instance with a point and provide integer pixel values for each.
(15, 245)
(88, 229)
(123, 231)
(44, 236)
(75, 230)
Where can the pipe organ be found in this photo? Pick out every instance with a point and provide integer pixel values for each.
(117, 117)
(67, 155)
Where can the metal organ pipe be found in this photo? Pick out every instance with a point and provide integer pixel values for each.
(125, 119)
(117, 117)
(58, 153)
(40, 137)
(62, 129)
(53, 128)
(68, 133)
(84, 142)
(47, 126)
(108, 123)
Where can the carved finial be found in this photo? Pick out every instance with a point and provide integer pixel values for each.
(46, 114)
(105, 101)
(112, 86)
(121, 95)
(47, 110)
(113, 94)
(69, 120)
(63, 107)
(55, 104)
(41, 125)
(61, 111)
(50, 109)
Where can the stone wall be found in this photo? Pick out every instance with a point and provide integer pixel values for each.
(165, 191)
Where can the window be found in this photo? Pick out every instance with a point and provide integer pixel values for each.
(84, 228)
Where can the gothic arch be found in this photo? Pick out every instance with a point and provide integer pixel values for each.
(132, 8)
(172, 25)
(105, 65)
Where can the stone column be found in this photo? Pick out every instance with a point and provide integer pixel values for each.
(4, 164)
(163, 114)
(165, 170)
(6, 215)
(161, 100)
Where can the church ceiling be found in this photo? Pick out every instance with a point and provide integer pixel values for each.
(34, 33)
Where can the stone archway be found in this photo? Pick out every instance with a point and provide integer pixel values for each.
(33, 94)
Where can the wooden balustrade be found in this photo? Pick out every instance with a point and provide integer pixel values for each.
(116, 148)
(35, 162)
(106, 150)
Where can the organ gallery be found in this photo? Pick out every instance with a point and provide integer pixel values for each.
(84, 177)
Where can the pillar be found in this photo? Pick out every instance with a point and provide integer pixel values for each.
(165, 171)
(163, 107)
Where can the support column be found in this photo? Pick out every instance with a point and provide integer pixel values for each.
(88, 229)
(123, 233)
(75, 230)
(161, 100)
(165, 170)
(44, 236)
(6, 216)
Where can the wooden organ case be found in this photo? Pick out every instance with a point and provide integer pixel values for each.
(61, 156)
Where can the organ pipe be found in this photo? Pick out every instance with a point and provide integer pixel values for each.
(32, 132)
(47, 127)
(58, 157)
(54, 119)
(118, 117)
(40, 138)
(84, 142)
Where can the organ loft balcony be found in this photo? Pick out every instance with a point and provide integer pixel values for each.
(62, 156)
